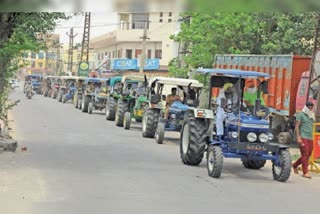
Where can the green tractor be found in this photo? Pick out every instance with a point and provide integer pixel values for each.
(114, 85)
(136, 100)
(127, 100)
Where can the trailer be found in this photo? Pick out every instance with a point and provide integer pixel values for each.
(286, 72)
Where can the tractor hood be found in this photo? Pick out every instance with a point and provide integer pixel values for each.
(247, 123)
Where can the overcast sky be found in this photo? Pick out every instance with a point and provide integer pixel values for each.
(101, 22)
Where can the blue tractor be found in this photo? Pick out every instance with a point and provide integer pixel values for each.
(114, 93)
(93, 97)
(245, 130)
(67, 83)
(166, 114)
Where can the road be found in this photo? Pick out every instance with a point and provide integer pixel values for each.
(81, 163)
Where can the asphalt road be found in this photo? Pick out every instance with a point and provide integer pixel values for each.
(81, 163)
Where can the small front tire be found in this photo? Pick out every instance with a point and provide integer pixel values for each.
(214, 161)
(160, 133)
(127, 120)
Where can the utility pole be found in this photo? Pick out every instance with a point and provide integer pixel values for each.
(84, 57)
(70, 52)
(143, 54)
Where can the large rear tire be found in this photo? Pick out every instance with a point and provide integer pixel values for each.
(127, 120)
(111, 109)
(193, 141)
(253, 164)
(122, 108)
(281, 171)
(150, 122)
(214, 161)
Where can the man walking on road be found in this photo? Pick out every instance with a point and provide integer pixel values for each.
(304, 123)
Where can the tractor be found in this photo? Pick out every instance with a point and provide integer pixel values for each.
(135, 98)
(88, 101)
(114, 85)
(245, 132)
(127, 99)
(46, 86)
(66, 83)
(36, 82)
(55, 85)
(71, 89)
(157, 119)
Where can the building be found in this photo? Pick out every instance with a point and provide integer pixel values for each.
(76, 58)
(126, 42)
(44, 62)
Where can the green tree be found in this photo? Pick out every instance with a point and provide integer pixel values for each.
(243, 33)
(20, 32)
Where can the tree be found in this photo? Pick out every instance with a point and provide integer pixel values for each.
(20, 32)
(244, 33)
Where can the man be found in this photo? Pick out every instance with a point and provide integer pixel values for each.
(304, 123)
(224, 99)
(170, 99)
(250, 95)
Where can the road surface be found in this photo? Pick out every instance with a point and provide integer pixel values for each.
(81, 163)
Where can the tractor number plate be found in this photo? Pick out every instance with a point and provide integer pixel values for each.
(257, 147)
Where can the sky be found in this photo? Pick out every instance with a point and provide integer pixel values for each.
(101, 22)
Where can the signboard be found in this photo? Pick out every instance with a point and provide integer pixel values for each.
(83, 70)
(150, 64)
(124, 64)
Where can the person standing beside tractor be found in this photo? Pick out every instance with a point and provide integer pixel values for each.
(170, 99)
(304, 123)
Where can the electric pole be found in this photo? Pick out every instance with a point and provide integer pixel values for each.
(143, 54)
(70, 52)
(84, 57)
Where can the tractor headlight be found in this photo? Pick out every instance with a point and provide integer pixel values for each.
(234, 135)
(252, 137)
(270, 136)
(263, 138)
(173, 116)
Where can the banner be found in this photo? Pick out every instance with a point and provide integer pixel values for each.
(83, 70)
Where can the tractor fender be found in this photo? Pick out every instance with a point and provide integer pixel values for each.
(214, 142)
(202, 113)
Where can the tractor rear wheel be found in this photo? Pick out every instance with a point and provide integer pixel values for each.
(253, 164)
(281, 171)
(214, 161)
(122, 108)
(150, 122)
(127, 120)
(111, 109)
(193, 141)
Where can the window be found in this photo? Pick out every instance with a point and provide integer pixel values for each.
(120, 53)
(158, 54)
(129, 53)
(113, 54)
(41, 55)
(139, 20)
(169, 20)
(138, 52)
(161, 14)
(160, 20)
(33, 55)
(109, 55)
(170, 14)
(149, 54)
(25, 55)
(33, 64)
(40, 64)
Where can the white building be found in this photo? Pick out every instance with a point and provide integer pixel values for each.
(126, 41)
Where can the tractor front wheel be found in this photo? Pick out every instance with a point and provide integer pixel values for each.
(214, 161)
(110, 109)
(281, 169)
(90, 108)
(127, 120)
(160, 133)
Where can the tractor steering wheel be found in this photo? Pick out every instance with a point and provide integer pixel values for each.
(227, 108)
